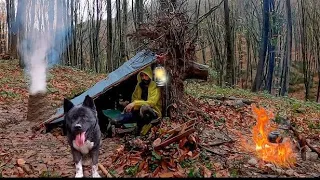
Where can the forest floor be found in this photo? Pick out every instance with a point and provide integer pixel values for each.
(219, 139)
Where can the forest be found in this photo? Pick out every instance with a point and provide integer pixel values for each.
(262, 72)
(259, 45)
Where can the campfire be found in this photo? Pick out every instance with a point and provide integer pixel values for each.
(269, 145)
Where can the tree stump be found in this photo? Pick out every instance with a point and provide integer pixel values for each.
(38, 108)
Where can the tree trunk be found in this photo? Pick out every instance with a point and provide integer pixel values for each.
(139, 12)
(263, 49)
(109, 67)
(20, 29)
(304, 45)
(230, 75)
(123, 41)
(286, 66)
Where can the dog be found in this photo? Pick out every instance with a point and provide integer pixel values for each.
(83, 133)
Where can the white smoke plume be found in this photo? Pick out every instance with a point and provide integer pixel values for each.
(36, 64)
(42, 47)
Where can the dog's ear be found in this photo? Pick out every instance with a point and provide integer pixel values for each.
(88, 102)
(67, 105)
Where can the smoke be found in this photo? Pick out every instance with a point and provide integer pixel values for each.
(43, 41)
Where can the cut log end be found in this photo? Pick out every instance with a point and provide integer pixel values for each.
(197, 71)
(38, 108)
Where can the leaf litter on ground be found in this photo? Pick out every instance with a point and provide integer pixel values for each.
(47, 155)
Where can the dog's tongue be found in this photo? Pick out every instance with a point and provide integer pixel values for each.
(80, 138)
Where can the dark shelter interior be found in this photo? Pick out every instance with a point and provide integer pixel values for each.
(109, 100)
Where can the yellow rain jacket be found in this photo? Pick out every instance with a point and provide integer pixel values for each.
(154, 99)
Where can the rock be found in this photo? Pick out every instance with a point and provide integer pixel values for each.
(238, 104)
(279, 171)
(253, 161)
(269, 165)
(312, 156)
(290, 172)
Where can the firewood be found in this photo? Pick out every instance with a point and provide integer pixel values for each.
(303, 142)
(105, 172)
(175, 139)
(178, 129)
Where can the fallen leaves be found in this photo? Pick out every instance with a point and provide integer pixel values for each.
(179, 159)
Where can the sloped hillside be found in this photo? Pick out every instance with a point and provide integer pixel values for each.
(215, 149)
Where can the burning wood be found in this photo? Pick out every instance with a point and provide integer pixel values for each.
(269, 145)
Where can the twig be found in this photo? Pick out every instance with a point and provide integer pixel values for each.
(199, 111)
(207, 14)
(313, 149)
(105, 172)
(220, 143)
(303, 142)
(210, 150)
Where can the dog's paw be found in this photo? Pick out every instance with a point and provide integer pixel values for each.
(96, 175)
(79, 175)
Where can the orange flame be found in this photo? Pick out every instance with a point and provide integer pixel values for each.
(280, 154)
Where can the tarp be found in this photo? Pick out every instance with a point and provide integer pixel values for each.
(141, 60)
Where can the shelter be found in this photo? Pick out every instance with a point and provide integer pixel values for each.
(106, 93)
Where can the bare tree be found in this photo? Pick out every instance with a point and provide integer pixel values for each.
(230, 74)
(109, 38)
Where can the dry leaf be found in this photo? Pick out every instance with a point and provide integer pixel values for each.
(182, 142)
(21, 162)
(141, 166)
(206, 172)
(120, 149)
(142, 174)
(172, 164)
(156, 142)
(164, 165)
(156, 171)
(166, 175)
(120, 170)
(178, 174)
(20, 172)
(192, 139)
(189, 153)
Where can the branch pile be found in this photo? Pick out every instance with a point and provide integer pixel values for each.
(168, 35)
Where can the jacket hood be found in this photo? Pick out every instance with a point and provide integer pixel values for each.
(147, 71)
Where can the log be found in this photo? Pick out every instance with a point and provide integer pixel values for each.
(223, 98)
(197, 71)
(105, 172)
(303, 142)
(174, 139)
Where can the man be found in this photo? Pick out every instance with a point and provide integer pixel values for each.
(146, 101)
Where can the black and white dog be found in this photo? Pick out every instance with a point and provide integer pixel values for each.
(83, 133)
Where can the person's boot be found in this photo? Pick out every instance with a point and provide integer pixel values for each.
(122, 119)
(147, 113)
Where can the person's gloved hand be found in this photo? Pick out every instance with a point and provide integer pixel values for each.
(124, 103)
(129, 107)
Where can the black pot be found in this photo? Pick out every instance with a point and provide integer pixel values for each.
(275, 137)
